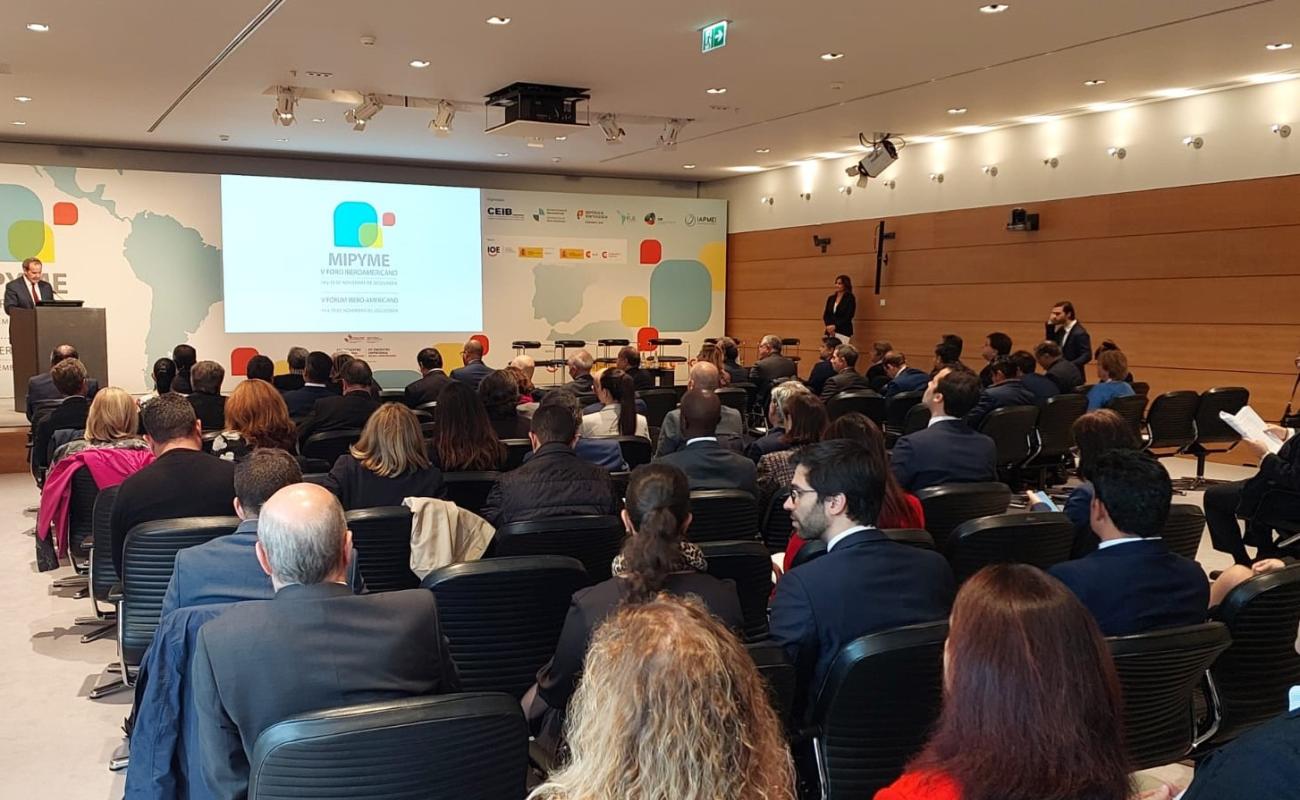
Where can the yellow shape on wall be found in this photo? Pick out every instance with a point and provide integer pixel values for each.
(714, 257)
(450, 352)
(635, 311)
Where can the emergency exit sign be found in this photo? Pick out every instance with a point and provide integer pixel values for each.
(713, 36)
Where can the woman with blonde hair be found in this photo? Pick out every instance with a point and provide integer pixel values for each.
(256, 416)
(113, 421)
(671, 705)
(387, 464)
(713, 354)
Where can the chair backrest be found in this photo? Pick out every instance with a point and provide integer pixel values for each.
(876, 707)
(776, 526)
(1210, 429)
(863, 402)
(1171, 421)
(750, 566)
(1012, 429)
(81, 512)
(1141, 387)
(1159, 673)
(723, 514)
(1130, 409)
(658, 402)
(733, 396)
(592, 540)
(329, 445)
(810, 551)
(382, 537)
(1055, 422)
(896, 409)
(392, 395)
(469, 490)
(516, 451)
(103, 575)
(464, 746)
(1254, 675)
(779, 675)
(1183, 529)
(951, 504)
(1038, 539)
(637, 450)
(918, 416)
(913, 536)
(502, 617)
(148, 560)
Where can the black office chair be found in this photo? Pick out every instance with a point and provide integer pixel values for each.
(1130, 409)
(1012, 430)
(896, 411)
(81, 515)
(637, 450)
(951, 504)
(382, 538)
(1278, 510)
(780, 677)
(1159, 673)
(464, 746)
(516, 451)
(1183, 529)
(864, 402)
(469, 490)
(750, 566)
(723, 515)
(913, 536)
(658, 402)
(431, 407)
(876, 707)
(1213, 434)
(1171, 423)
(592, 540)
(329, 445)
(1042, 540)
(502, 617)
(918, 417)
(1141, 387)
(618, 484)
(103, 575)
(735, 397)
(776, 526)
(1055, 434)
(810, 551)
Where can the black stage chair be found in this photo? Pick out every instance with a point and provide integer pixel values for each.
(1055, 435)
(951, 504)
(896, 410)
(1130, 409)
(382, 537)
(637, 450)
(592, 540)
(516, 451)
(864, 402)
(751, 391)
(81, 531)
(1141, 387)
(723, 514)
(502, 617)
(1279, 510)
(1038, 539)
(1183, 529)
(780, 677)
(1159, 673)
(913, 536)
(1012, 430)
(329, 445)
(734, 397)
(1212, 431)
(918, 417)
(1171, 423)
(776, 525)
(750, 566)
(469, 490)
(463, 746)
(103, 575)
(658, 402)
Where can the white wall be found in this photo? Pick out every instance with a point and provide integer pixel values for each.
(1235, 125)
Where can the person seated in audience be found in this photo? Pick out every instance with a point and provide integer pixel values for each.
(996, 345)
(1065, 374)
(256, 416)
(1109, 344)
(823, 370)
(1042, 386)
(711, 353)
(555, 482)
(846, 378)
(463, 439)
(69, 376)
(657, 557)
(315, 645)
(866, 582)
(1237, 574)
(431, 381)
(339, 361)
(875, 371)
(902, 378)
(350, 411)
(616, 393)
(499, 394)
(41, 387)
(316, 385)
(770, 367)
(183, 481)
(1112, 366)
(1007, 390)
(671, 703)
(528, 394)
(205, 395)
(581, 382)
(164, 373)
(297, 360)
(707, 464)
(474, 370)
(603, 452)
(184, 357)
(528, 391)
(1224, 502)
(730, 354)
(806, 423)
(947, 355)
(629, 360)
(1031, 705)
(113, 422)
(948, 450)
(1132, 583)
(260, 368)
(777, 419)
(731, 429)
(386, 465)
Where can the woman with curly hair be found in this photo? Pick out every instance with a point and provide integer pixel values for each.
(256, 416)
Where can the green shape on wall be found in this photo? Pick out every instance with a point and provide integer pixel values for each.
(681, 296)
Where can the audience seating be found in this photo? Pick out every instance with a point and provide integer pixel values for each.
(1211, 430)
(751, 391)
(867, 403)
(950, 505)
(918, 417)
(392, 395)
(317, 478)
(1130, 410)
(587, 399)
(1280, 510)
(749, 565)
(103, 575)
(1141, 387)
(382, 538)
(734, 397)
(619, 481)
(208, 438)
(502, 617)
(329, 445)
(1183, 529)
(913, 536)
(776, 525)
(658, 402)
(431, 407)
(81, 521)
(1159, 673)
(469, 490)
(723, 514)
(896, 411)
(450, 747)
(637, 450)
(1038, 539)
(516, 451)
(1012, 430)
(779, 675)
(1171, 423)
(593, 540)
(1055, 433)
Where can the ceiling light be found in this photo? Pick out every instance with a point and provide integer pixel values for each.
(994, 8)
(672, 128)
(535, 142)
(921, 140)
(561, 138)
(285, 102)
(957, 110)
(18, 122)
(937, 177)
(688, 166)
(763, 150)
(555, 159)
(360, 116)
(716, 90)
(1270, 46)
(1194, 142)
(318, 120)
(889, 184)
(1039, 119)
(831, 154)
(1281, 130)
(498, 20)
(38, 27)
(225, 137)
(1095, 82)
(1270, 77)
(745, 168)
(442, 118)
(282, 140)
(503, 155)
(767, 200)
(1176, 93)
(1116, 152)
(609, 125)
(832, 56)
(419, 63)
(971, 129)
(837, 85)
(22, 98)
(1052, 162)
(990, 170)
(1108, 106)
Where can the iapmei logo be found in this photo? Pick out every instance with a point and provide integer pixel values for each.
(692, 220)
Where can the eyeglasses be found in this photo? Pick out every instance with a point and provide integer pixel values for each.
(796, 493)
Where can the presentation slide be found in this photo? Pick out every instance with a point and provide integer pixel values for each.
(314, 256)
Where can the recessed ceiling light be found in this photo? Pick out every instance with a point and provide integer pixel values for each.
(716, 90)
(318, 120)
(38, 27)
(498, 20)
(688, 166)
(957, 110)
(763, 150)
(994, 8)
(560, 138)
(1095, 82)
(555, 159)
(22, 98)
(282, 140)
(503, 155)
(1278, 46)
(419, 63)
(18, 122)
(832, 56)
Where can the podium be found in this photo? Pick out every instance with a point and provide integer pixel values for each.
(35, 332)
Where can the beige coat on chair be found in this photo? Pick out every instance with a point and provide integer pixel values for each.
(442, 533)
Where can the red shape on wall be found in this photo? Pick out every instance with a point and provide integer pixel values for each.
(652, 252)
(390, 219)
(643, 337)
(239, 358)
(65, 214)
(481, 339)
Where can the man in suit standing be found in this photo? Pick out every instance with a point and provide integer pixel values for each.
(432, 380)
(866, 582)
(474, 371)
(41, 387)
(948, 450)
(581, 382)
(846, 378)
(297, 359)
(629, 360)
(731, 430)
(345, 412)
(209, 404)
(707, 464)
(1007, 390)
(902, 378)
(1064, 374)
(1132, 583)
(315, 645)
(28, 289)
(1065, 330)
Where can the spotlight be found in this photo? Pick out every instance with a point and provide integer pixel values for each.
(1194, 142)
(1052, 162)
(360, 116)
(609, 125)
(442, 118)
(1281, 130)
(990, 170)
(937, 177)
(846, 190)
(889, 184)
(767, 200)
(1116, 152)
(805, 195)
(668, 139)
(285, 102)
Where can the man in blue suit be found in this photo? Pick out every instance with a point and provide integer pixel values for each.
(1132, 583)
(902, 378)
(948, 450)
(316, 378)
(866, 582)
(1007, 390)
(474, 371)
(1042, 386)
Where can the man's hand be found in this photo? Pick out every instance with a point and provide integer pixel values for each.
(1257, 448)
(1281, 433)
(1267, 565)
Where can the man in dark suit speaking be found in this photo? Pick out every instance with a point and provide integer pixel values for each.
(28, 289)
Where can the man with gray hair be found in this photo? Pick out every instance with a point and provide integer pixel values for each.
(580, 364)
(731, 428)
(314, 645)
(297, 360)
(770, 368)
(774, 440)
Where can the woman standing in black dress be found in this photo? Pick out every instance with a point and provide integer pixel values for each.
(840, 308)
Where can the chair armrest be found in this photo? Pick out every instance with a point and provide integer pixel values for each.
(114, 593)
(1214, 711)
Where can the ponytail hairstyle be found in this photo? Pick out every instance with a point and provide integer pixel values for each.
(622, 388)
(658, 503)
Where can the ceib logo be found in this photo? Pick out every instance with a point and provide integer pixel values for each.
(357, 224)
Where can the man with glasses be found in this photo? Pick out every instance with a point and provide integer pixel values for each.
(474, 371)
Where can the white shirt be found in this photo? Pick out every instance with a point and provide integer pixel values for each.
(690, 442)
(1294, 698)
(1065, 332)
(831, 544)
(1125, 540)
(605, 423)
(940, 418)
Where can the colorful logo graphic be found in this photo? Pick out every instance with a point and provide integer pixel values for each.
(539, 215)
(23, 227)
(650, 218)
(357, 224)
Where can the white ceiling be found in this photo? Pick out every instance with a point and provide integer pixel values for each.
(107, 70)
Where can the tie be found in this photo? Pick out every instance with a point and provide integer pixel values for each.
(36, 298)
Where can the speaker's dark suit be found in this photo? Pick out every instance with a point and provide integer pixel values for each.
(472, 374)
(946, 452)
(288, 383)
(41, 387)
(302, 401)
(1076, 346)
(18, 295)
(1263, 762)
(311, 647)
(1135, 587)
(427, 388)
(1007, 393)
(846, 380)
(339, 413)
(709, 465)
(641, 379)
(583, 384)
(867, 583)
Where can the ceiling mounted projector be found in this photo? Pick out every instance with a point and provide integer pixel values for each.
(882, 153)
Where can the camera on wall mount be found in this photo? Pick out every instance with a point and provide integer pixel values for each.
(882, 151)
(1022, 220)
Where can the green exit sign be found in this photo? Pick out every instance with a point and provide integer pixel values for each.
(713, 36)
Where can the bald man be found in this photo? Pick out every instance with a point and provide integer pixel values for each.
(731, 429)
(314, 645)
(707, 464)
(474, 371)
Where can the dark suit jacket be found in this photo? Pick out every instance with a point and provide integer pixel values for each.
(339, 413)
(553, 483)
(738, 373)
(821, 372)
(302, 401)
(771, 442)
(17, 295)
(642, 379)
(288, 383)
(1007, 393)
(731, 431)
(1077, 347)
(847, 380)
(710, 465)
(946, 452)
(867, 583)
(210, 409)
(1136, 587)
(312, 647)
(41, 387)
(842, 317)
(67, 415)
(1042, 386)
(765, 372)
(357, 487)
(427, 388)
(1263, 762)
(1065, 375)
(1281, 470)
(583, 384)
(909, 380)
(472, 374)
